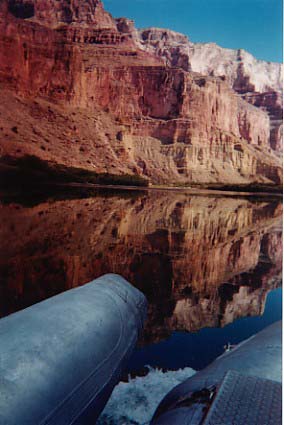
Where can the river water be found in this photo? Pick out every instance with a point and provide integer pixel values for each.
(210, 266)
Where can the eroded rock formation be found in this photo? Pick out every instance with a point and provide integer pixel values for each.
(258, 82)
(80, 88)
(54, 12)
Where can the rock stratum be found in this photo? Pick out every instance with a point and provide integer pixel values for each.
(85, 90)
(258, 82)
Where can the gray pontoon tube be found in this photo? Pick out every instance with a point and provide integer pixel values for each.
(259, 356)
(60, 359)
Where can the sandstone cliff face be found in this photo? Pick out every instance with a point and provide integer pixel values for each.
(272, 102)
(116, 106)
(200, 261)
(53, 12)
(241, 69)
(259, 82)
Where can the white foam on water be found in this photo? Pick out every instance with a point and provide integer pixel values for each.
(134, 402)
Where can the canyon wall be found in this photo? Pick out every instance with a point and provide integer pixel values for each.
(53, 12)
(108, 103)
(258, 82)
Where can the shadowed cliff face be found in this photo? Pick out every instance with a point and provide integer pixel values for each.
(201, 261)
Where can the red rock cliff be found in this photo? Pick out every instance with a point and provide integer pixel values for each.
(54, 12)
(83, 94)
(259, 82)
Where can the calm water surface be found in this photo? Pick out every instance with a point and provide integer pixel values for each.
(211, 267)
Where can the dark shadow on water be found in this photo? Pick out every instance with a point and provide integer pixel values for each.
(36, 195)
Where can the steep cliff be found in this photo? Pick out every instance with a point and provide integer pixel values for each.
(79, 89)
(53, 12)
(258, 82)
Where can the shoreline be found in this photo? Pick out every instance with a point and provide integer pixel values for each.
(44, 190)
(189, 190)
(34, 173)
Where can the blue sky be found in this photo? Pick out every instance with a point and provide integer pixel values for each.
(254, 25)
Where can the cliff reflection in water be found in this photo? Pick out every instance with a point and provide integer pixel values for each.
(201, 261)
